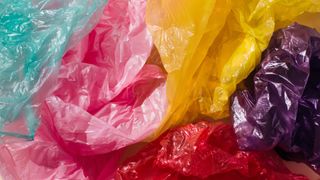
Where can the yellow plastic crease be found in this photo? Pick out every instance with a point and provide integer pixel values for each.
(208, 47)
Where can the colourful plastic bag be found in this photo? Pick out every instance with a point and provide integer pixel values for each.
(33, 38)
(284, 109)
(208, 47)
(202, 151)
(45, 158)
(108, 95)
(105, 86)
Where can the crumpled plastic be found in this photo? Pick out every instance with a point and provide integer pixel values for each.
(202, 151)
(109, 91)
(208, 47)
(108, 95)
(284, 108)
(45, 158)
(34, 36)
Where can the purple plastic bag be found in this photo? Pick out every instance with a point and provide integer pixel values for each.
(284, 110)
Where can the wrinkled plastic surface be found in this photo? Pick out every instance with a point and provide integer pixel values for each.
(109, 90)
(284, 108)
(208, 47)
(202, 151)
(108, 95)
(46, 158)
(33, 38)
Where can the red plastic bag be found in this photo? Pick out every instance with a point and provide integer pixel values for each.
(202, 151)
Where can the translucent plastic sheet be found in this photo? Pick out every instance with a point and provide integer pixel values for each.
(284, 109)
(46, 159)
(202, 151)
(33, 38)
(108, 95)
(208, 47)
(110, 88)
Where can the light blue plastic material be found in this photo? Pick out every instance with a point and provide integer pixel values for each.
(34, 35)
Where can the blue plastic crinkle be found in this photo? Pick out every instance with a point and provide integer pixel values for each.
(34, 35)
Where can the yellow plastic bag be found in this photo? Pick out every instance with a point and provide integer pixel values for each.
(208, 47)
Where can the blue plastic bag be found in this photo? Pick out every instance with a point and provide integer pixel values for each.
(33, 38)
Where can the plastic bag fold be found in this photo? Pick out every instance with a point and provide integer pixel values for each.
(45, 158)
(110, 89)
(34, 35)
(282, 109)
(202, 151)
(108, 95)
(208, 47)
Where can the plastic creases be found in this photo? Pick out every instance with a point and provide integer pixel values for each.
(284, 108)
(33, 38)
(108, 95)
(46, 159)
(207, 47)
(202, 151)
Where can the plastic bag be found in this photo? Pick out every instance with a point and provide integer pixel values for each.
(202, 151)
(284, 111)
(208, 47)
(108, 96)
(45, 158)
(109, 91)
(33, 38)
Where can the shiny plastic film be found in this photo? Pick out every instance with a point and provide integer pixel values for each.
(208, 47)
(283, 108)
(202, 151)
(34, 35)
(110, 93)
(108, 86)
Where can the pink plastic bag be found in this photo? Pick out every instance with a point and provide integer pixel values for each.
(107, 91)
(106, 98)
(44, 158)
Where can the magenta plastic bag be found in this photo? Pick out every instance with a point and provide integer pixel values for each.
(284, 109)
(107, 97)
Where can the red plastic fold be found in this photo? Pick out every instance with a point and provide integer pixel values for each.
(202, 151)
